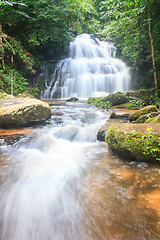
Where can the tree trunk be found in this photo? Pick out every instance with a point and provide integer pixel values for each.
(152, 49)
(11, 76)
(1, 45)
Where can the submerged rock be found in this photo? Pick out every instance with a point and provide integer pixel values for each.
(19, 112)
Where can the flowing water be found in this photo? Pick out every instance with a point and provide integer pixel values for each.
(62, 184)
(90, 70)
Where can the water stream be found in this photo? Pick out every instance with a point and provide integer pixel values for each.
(62, 184)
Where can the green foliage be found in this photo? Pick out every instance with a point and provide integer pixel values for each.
(20, 84)
(99, 102)
(30, 28)
(125, 23)
(152, 145)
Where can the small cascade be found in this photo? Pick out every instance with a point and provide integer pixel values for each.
(91, 70)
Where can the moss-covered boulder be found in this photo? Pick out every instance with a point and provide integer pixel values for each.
(99, 102)
(134, 145)
(134, 116)
(144, 118)
(154, 119)
(140, 96)
(19, 112)
(116, 99)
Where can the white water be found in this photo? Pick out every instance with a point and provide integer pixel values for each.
(61, 184)
(41, 197)
(90, 70)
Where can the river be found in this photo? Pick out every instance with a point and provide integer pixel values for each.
(61, 184)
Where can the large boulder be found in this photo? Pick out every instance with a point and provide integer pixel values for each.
(134, 116)
(19, 112)
(140, 96)
(147, 117)
(141, 145)
(116, 99)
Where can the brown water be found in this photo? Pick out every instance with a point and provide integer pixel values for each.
(61, 184)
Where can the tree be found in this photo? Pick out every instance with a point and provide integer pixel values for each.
(152, 47)
(126, 23)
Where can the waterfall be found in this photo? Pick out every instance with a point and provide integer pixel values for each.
(91, 70)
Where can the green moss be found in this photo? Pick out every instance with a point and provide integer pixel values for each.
(99, 102)
(116, 98)
(146, 117)
(154, 119)
(134, 145)
(129, 105)
(141, 112)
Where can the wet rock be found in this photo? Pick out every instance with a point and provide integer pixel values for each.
(117, 98)
(146, 117)
(134, 116)
(132, 144)
(19, 112)
(73, 99)
(101, 135)
(124, 116)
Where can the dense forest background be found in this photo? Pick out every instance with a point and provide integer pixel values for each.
(32, 32)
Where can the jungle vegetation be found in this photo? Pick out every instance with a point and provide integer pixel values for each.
(34, 31)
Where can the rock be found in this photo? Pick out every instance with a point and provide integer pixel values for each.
(134, 145)
(102, 132)
(154, 119)
(146, 117)
(116, 99)
(73, 99)
(19, 112)
(140, 96)
(124, 116)
(101, 135)
(134, 116)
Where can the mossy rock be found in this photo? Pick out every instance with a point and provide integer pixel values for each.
(138, 95)
(99, 102)
(134, 145)
(129, 106)
(116, 99)
(134, 116)
(148, 116)
(154, 119)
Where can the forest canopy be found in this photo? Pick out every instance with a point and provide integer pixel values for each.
(28, 29)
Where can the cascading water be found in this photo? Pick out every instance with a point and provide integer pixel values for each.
(62, 184)
(90, 71)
